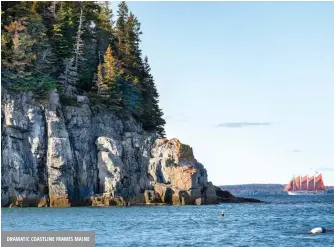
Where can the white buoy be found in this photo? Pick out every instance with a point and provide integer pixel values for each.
(222, 213)
(317, 230)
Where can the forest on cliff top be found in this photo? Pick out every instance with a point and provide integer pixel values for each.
(77, 48)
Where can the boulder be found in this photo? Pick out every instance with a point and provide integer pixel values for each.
(198, 201)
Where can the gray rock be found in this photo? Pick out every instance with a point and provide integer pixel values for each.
(23, 148)
(66, 155)
(83, 99)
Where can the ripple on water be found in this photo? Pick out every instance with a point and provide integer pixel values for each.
(283, 221)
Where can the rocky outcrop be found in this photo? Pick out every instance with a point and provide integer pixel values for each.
(225, 196)
(61, 155)
(177, 176)
(24, 150)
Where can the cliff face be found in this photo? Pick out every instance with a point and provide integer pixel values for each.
(57, 155)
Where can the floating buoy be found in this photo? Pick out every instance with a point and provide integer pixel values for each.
(222, 213)
(318, 230)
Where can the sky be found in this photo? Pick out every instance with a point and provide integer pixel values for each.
(248, 85)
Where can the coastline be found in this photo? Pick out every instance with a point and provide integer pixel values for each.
(222, 198)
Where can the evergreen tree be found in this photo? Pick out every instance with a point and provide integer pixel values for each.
(132, 96)
(121, 22)
(105, 31)
(70, 77)
(63, 30)
(129, 57)
(152, 117)
(27, 61)
(85, 60)
(77, 45)
(108, 79)
(19, 55)
(132, 51)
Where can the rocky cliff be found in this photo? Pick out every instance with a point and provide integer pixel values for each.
(59, 155)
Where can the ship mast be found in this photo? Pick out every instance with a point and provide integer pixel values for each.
(300, 182)
(293, 183)
(307, 181)
(314, 183)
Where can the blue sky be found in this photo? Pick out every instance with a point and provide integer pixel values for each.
(249, 85)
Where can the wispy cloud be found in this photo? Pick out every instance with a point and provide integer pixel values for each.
(296, 150)
(242, 124)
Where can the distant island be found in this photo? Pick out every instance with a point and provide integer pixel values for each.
(261, 189)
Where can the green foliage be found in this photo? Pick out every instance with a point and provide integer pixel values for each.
(108, 79)
(76, 47)
(131, 97)
(68, 101)
(38, 84)
(152, 117)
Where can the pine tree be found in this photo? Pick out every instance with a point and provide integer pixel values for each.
(152, 117)
(108, 79)
(45, 59)
(132, 53)
(105, 16)
(129, 57)
(105, 31)
(75, 67)
(20, 56)
(63, 29)
(122, 13)
(28, 61)
(131, 97)
(121, 22)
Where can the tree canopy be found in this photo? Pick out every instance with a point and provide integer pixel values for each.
(77, 48)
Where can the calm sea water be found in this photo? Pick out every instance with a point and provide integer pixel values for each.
(283, 221)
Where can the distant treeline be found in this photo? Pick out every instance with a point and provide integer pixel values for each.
(263, 189)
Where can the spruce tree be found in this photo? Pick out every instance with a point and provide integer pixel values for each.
(28, 62)
(121, 22)
(108, 79)
(152, 117)
(19, 55)
(64, 28)
(132, 51)
(105, 31)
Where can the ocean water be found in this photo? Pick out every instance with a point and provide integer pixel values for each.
(282, 221)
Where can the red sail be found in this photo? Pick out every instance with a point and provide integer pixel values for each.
(304, 183)
(289, 186)
(311, 183)
(319, 183)
(297, 183)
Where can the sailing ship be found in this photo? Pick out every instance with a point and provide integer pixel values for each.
(306, 185)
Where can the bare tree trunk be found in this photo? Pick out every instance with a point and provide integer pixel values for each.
(79, 42)
(53, 9)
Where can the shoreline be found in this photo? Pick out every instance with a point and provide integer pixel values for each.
(223, 197)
